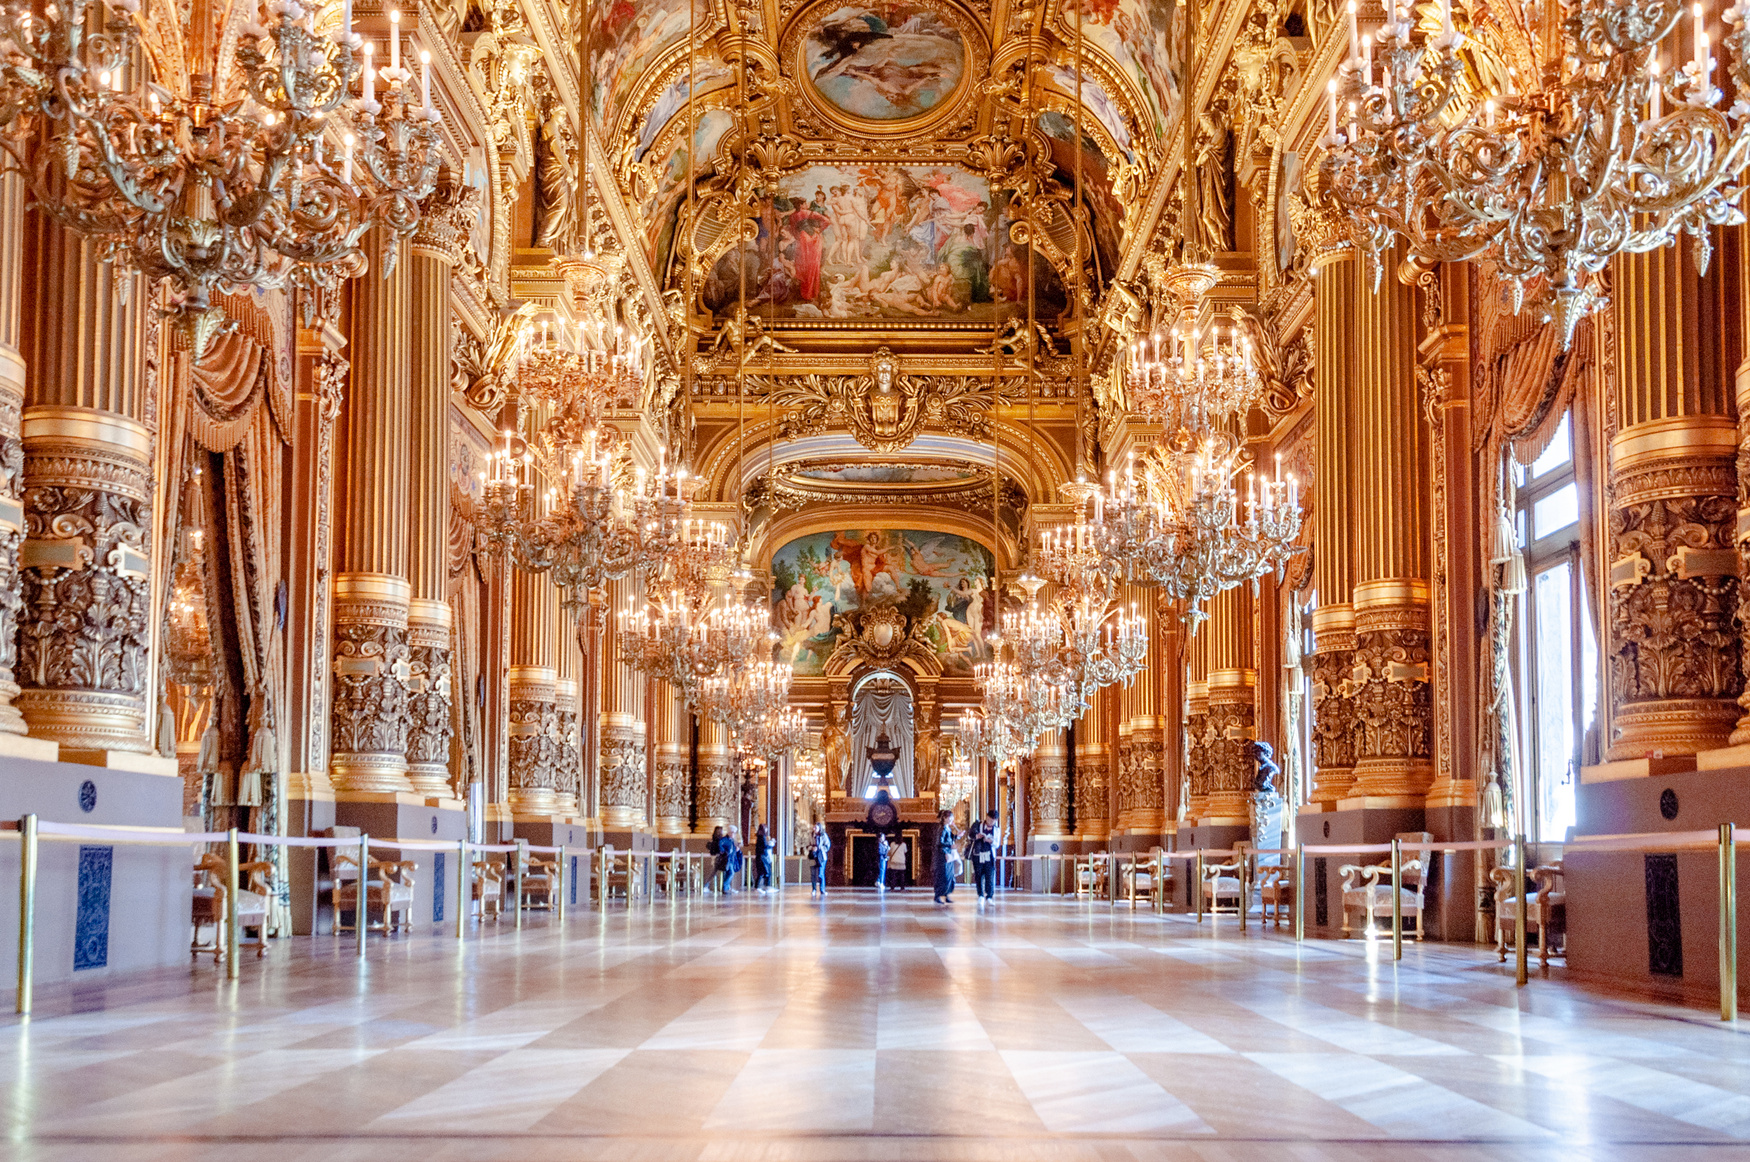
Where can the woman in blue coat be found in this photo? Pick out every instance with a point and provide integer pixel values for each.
(946, 858)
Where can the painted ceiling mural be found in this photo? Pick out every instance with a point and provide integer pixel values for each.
(884, 473)
(882, 241)
(626, 37)
(884, 61)
(1147, 39)
(942, 579)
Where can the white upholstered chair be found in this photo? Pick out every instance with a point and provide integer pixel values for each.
(1367, 890)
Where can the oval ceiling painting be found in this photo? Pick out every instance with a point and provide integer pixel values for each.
(885, 61)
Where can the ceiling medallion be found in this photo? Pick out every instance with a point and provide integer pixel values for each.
(885, 68)
(884, 408)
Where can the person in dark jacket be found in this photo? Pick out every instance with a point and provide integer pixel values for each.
(881, 850)
(947, 858)
(762, 860)
(984, 857)
(819, 845)
(719, 858)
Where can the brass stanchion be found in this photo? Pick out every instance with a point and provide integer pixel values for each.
(1245, 893)
(27, 843)
(1300, 891)
(1197, 883)
(463, 882)
(233, 933)
(1728, 924)
(522, 858)
(361, 913)
(559, 886)
(1397, 900)
(1519, 912)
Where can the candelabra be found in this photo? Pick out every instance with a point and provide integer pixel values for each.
(1101, 644)
(1600, 148)
(216, 167)
(1176, 521)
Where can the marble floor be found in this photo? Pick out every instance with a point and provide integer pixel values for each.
(863, 1029)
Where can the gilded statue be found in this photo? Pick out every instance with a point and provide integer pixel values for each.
(561, 226)
(1214, 179)
(835, 746)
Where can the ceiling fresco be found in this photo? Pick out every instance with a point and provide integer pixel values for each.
(940, 581)
(890, 62)
(881, 241)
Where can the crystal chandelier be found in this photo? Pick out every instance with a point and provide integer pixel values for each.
(560, 494)
(230, 167)
(1609, 143)
(1177, 521)
(1029, 687)
(775, 733)
(746, 697)
(1102, 644)
(1197, 380)
(958, 780)
(691, 636)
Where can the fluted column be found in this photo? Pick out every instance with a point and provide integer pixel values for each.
(434, 252)
(1393, 701)
(12, 387)
(1142, 792)
(623, 770)
(84, 632)
(1673, 664)
(719, 779)
(1093, 790)
(1336, 291)
(533, 681)
(566, 692)
(673, 776)
(1197, 736)
(1047, 790)
(371, 592)
(1232, 698)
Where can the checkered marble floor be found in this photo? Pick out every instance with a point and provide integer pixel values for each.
(862, 1028)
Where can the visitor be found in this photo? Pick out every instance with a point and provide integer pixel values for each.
(947, 857)
(732, 842)
(881, 850)
(896, 867)
(762, 860)
(818, 846)
(719, 852)
(984, 858)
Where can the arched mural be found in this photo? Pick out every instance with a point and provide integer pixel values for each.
(940, 580)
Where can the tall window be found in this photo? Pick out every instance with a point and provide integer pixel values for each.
(1556, 661)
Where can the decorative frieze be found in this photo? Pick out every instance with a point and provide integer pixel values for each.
(533, 741)
(372, 670)
(83, 623)
(430, 711)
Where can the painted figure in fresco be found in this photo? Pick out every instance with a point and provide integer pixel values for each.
(805, 226)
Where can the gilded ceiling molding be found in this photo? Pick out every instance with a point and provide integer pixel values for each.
(1028, 454)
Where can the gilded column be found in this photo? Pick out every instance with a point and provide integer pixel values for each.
(83, 647)
(1232, 700)
(1336, 290)
(1093, 791)
(1673, 656)
(1047, 798)
(566, 706)
(1144, 789)
(12, 385)
(321, 377)
(371, 598)
(434, 252)
(673, 777)
(719, 778)
(1393, 701)
(1197, 737)
(624, 781)
(533, 686)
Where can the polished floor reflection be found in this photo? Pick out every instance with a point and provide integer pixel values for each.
(772, 1028)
